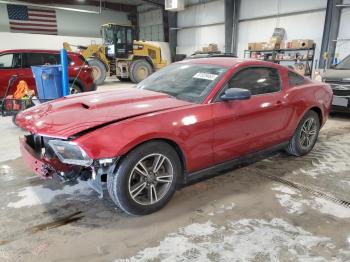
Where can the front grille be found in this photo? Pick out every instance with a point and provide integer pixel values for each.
(35, 142)
(340, 88)
(40, 145)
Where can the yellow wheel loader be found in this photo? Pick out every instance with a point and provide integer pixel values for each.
(121, 55)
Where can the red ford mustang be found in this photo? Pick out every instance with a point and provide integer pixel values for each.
(183, 122)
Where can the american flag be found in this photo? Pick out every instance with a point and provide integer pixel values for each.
(25, 19)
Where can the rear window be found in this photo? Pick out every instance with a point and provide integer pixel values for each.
(295, 79)
(37, 59)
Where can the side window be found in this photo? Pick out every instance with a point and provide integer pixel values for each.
(129, 36)
(6, 61)
(295, 79)
(33, 59)
(51, 59)
(11, 61)
(259, 80)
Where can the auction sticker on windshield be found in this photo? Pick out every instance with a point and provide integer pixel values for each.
(205, 76)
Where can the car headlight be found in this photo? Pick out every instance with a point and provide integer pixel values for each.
(70, 153)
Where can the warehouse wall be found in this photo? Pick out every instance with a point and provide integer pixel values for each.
(150, 22)
(37, 41)
(300, 26)
(70, 24)
(197, 31)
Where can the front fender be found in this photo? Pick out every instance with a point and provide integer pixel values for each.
(118, 139)
(190, 128)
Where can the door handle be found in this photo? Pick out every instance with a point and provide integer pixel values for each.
(279, 102)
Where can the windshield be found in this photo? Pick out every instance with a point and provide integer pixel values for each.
(108, 35)
(184, 81)
(344, 64)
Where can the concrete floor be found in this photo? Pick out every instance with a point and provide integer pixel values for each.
(279, 209)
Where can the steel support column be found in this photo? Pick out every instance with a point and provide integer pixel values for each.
(231, 25)
(330, 32)
(172, 22)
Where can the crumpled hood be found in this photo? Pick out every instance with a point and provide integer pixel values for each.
(73, 114)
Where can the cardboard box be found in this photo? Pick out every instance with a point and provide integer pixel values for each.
(270, 46)
(252, 46)
(282, 45)
(260, 45)
(275, 39)
(213, 48)
(302, 43)
(256, 46)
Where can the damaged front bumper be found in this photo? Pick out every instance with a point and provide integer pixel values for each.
(38, 154)
(41, 165)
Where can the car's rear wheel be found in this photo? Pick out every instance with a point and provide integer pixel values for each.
(146, 178)
(305, 135)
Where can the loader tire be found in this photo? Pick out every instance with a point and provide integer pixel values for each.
(139, 70)
(98, 70)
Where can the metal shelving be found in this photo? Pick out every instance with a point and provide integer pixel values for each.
(272, 55)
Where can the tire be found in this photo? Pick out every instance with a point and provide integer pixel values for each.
(74, 89)
(139, 70)
(131, 191)
(303, 140)
(99, 70)
(121, 79)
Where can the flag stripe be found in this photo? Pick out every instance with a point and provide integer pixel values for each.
(40, 15)
(40, 10)
(40, 20)
(33, 32)
(34, 29)
(32, 24)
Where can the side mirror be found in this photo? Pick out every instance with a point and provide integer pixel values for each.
(236, 94)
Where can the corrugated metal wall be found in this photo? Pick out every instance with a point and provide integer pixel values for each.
(343, 47)
(197, 15)
(306, 25)
(150, 21)
(201, 25)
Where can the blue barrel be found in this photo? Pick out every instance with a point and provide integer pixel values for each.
(48, 81)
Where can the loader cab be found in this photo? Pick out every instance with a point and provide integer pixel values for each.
(118, 40)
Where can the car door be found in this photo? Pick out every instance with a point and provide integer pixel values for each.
(245, 126)
(31, 59)
(10, 64)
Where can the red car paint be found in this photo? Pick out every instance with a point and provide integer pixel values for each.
(111, 123)
(76, 67)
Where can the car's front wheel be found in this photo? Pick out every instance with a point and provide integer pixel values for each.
(146, 178)
(305, 135)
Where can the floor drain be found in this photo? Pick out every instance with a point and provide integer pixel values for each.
(309, 190)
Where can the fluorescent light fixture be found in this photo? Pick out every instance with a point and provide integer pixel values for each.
(51, 7)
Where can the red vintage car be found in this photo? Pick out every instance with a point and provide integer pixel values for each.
(188, 120)
(18, 62)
